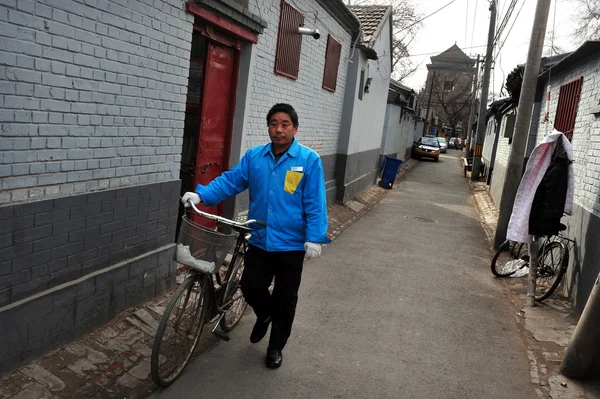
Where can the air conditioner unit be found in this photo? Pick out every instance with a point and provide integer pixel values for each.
(508, 125)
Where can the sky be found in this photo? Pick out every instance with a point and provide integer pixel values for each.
(466, 23)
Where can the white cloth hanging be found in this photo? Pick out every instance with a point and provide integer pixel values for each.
(539, 161)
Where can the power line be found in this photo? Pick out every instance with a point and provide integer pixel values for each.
(438, 52)
(467, 22)
(427, 16)
(510, 29)
(505, 20)
(474, 19)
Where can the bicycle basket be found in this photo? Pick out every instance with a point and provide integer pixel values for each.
(201, 248)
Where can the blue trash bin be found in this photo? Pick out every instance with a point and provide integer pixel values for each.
(389, 170)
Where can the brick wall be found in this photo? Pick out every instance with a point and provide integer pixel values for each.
(92, 98)
(584, 224)
(48, 243)
(586, 134)
(319, 110)
(398, 132)
(500, 165)
(92, 94)
(48, 322)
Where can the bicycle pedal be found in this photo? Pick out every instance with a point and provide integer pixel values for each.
(216, 320)
(221, 335)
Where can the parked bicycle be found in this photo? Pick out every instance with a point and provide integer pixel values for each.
(210, 293)
(553, 260)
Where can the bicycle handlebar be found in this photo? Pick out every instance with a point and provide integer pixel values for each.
(226, 221)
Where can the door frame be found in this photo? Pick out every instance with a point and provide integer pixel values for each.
(226, 41)
(224, 33)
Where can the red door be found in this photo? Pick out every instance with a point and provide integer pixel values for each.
(216, 118)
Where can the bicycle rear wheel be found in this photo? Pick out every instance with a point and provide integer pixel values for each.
(179, 330)
(516, 250)
(520, 250)
(497, 266)
(551, 267)
(234, 314)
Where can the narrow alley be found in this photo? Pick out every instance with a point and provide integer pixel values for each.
(401, 305)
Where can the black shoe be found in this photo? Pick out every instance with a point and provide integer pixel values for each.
(260, 330)
(274, 358)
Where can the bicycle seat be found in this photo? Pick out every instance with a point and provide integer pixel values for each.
(561, 227)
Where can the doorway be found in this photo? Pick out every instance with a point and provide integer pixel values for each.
(212, 83)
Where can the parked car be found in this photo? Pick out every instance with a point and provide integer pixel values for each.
(443, 144)
(458, 144)
(426, 147)
(451, 142)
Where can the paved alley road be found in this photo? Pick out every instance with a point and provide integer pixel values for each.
(401, 305)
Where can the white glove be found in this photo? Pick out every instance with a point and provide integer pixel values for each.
(312, 250)
(195, 198)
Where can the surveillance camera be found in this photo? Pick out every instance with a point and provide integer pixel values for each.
(311, 32)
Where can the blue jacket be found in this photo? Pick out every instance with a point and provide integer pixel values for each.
(289, 196)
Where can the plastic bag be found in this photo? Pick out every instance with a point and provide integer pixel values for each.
(185, 257)
(517, 267)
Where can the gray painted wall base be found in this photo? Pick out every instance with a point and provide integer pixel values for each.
(584, 228)
(352, 189)
(355, 173)
(49, 320)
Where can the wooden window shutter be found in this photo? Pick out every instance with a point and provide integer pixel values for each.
(289, 41)
(566, 110)
(332, 63)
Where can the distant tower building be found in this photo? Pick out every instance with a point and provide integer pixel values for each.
(451, 73)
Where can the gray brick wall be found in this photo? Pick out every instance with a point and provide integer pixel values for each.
(92, 94)
(319, 110)
(47, 243)
(48, 322)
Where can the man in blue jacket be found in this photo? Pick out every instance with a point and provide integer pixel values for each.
(287, 191)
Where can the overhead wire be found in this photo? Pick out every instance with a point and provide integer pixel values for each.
(427, 16)
(474, 19)
(466, 22)
(438, 52)
(511, 27)
(497, 40)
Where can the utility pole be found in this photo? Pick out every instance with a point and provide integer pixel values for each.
(473, 104)
(583, 348)
(526, 99)
(426, 127)
(481, 127)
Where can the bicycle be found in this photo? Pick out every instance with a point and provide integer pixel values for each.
(210, 293)
(553, 261)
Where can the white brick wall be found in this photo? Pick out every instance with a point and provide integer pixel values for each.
(319, 110)
(92, 94)
(500, 165)
(586, 135)
(398, 132)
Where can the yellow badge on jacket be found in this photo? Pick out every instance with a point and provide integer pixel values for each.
(292, 179)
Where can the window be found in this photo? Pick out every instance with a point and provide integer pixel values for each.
(332, 63)
(362, 84)
(566, 110)
(289, 42)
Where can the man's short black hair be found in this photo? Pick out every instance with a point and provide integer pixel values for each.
(286, 108)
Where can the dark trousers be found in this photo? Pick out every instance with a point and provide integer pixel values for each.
(259, 269)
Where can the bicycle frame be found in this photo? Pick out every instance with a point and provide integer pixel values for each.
(219, 303)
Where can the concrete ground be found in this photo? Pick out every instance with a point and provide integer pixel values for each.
(546, 328)
(401, 305)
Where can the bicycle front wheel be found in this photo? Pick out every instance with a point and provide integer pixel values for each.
(179, 330)
(551, 267)
(238, 307)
